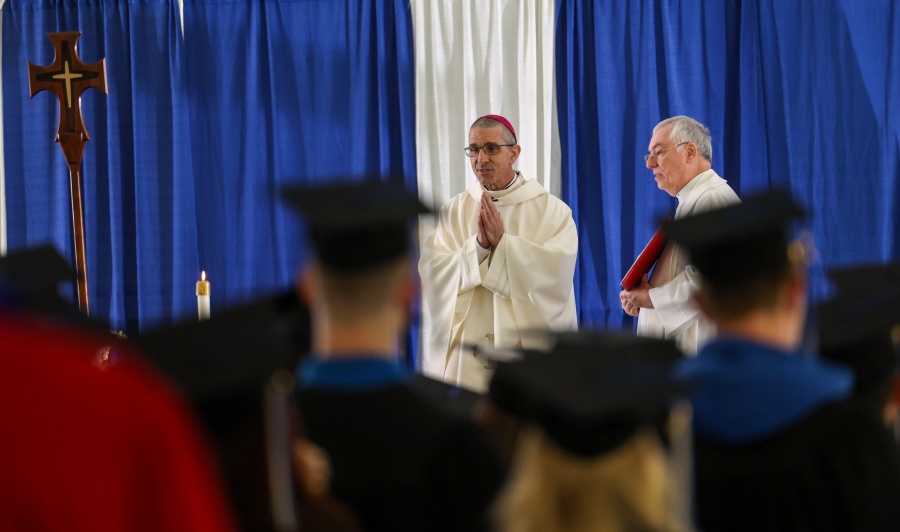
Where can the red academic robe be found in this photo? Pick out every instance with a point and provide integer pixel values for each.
(89, 445)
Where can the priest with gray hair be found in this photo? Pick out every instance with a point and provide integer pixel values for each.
(680, 157)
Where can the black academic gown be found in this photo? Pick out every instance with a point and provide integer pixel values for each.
(786, 449)
(399, 460)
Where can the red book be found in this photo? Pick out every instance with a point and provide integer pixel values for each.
(645, 260)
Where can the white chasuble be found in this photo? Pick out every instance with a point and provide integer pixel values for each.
(674, 315)
(524, 284)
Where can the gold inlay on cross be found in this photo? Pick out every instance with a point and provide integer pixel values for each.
(68, 76)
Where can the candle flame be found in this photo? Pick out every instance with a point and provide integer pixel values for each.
(203, 275)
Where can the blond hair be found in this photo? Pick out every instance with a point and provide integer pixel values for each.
(627, 489)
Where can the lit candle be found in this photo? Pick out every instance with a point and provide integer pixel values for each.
(203, 297)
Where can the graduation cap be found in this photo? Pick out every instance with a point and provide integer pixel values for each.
(860, 327)
(542, 341)
(29, 282)
(236, 350)
(223, 365)
(865, 278)
(505, 355)
(620, 344)
(453, 400)
(739, 242)
(595, 340)
(587, 399)
(867, 304)
(357, 226)
(30, 279)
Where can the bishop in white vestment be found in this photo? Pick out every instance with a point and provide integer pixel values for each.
(520, 280)
(680, 157)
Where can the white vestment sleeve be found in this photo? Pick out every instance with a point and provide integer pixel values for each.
(673, 301)
(469, 265)
(448, 266)
(538, 278)
(483, 253)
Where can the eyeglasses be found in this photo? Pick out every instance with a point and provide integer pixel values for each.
(490, 148)
(657, 153)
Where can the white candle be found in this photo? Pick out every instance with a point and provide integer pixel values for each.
(203, 297)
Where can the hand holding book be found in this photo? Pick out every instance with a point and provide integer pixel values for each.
(645, 261)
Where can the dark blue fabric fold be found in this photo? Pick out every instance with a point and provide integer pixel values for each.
(742, 391)
(350, 374)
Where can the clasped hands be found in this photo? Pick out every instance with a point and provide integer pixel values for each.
(634, 300)
(490, 225)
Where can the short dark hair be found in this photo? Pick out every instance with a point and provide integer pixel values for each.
(356, 294)
(487, 123)
(730, 300)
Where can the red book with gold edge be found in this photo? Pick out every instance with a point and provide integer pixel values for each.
(645, 260)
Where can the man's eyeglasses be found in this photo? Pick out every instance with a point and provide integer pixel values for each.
(657, 153)
(489, 148)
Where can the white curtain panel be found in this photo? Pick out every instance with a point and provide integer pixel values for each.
(478, 57)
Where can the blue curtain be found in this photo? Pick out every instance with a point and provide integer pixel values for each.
(138, 188)
(802, 95)
(199, 132)
(294, 91)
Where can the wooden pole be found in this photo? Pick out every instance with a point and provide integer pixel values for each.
(78, 236)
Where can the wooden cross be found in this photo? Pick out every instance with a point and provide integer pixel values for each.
(68, 77)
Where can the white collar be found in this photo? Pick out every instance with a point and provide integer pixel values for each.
(512, 182)
(686, 189)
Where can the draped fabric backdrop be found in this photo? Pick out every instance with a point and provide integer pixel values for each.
(798, 95)
(140, 222)
(293, 91)
(621, 68)
(205, 122)
(198, 135)
(475, 58)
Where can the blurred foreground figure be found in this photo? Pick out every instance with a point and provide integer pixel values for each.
(598, 450)
(860, 327)
(91, 444)
(30, 281)
(397, 459)
(224, 366)
(778, 444)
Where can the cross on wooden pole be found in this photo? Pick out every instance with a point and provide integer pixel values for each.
(68, 77)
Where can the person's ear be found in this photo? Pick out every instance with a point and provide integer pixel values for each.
(514, 153)
(307, 279)
(406, 289)
(795, 292)
(691, 151)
